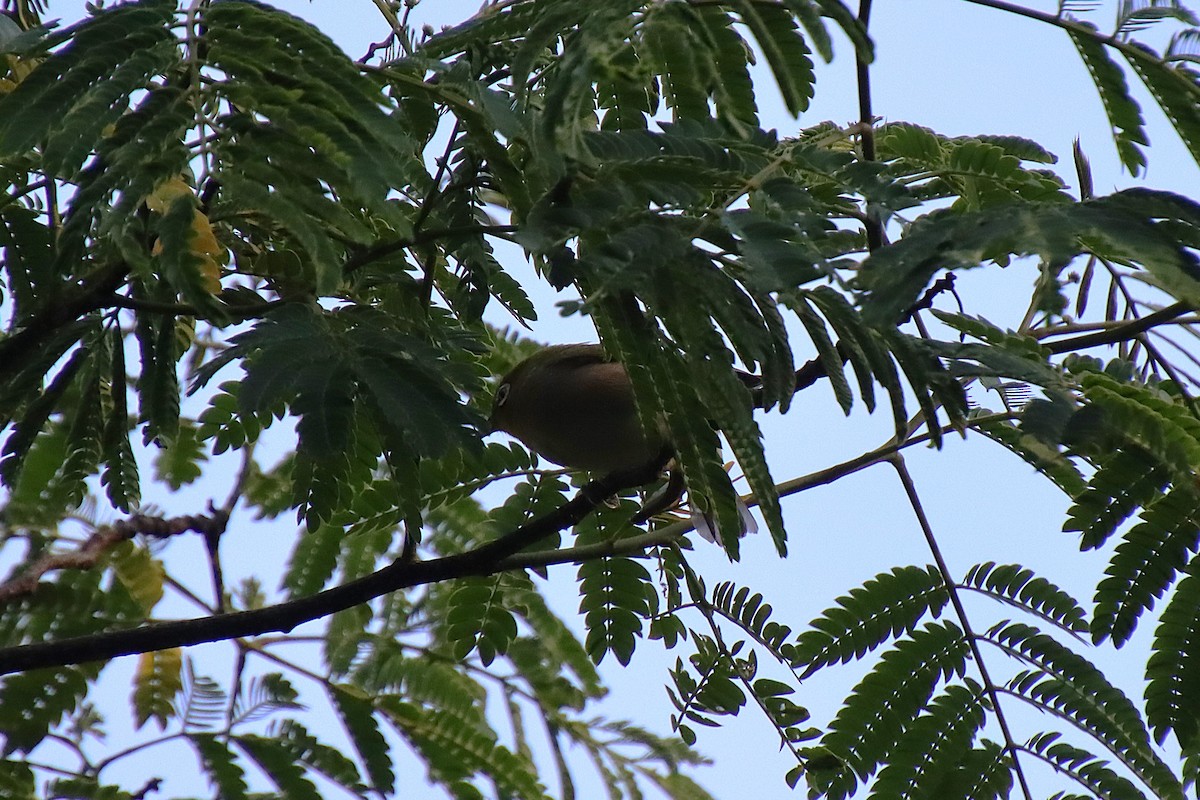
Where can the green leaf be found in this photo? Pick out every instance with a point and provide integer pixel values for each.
(58, 692)
(787, 53)
(17, 781)
(717, 692)
(1019, 587)
(179, 462)
(220, 765)
(1070, 686)
(120, 475)
(344, 637)
(1175, 88)
(314, 560)
(202, 702)
(479, 619)
(557, 648)
(278, 762)
(1126, 479)
(884, 607)
(358, 718)
(984, 773)
(1124, 115)
(732, 88)
(932, 752)
(831, 359)
(879, 712)
(84, 87)
(615, 604)
(678, 55)
(1035, 451)
(1173, 681)
(1123, 227)
(321, 757)
(754, 616)
(1087, 770)
(270, 59)
(1147, 560)
(37, 414)
(454, 751)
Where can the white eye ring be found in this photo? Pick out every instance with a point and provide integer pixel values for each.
(502, 394)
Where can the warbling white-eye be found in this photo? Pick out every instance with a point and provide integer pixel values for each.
(572, 405)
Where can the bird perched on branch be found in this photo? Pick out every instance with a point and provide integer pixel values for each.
(572, 405)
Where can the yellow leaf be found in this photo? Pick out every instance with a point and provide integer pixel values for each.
(140, 574)
(18, 69)
(167, 193)
(203, 239)
(204, 245)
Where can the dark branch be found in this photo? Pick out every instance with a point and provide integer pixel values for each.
(485, 560)
(1120, 333)
(74, 303)
(105, 539)
(866, 123)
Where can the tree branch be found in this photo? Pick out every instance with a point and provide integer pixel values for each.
(105, 539)
(484, 560)
(75, 302)
(1120, 333)
(866, 124)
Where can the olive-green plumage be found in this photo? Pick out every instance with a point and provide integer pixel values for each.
(571, 405)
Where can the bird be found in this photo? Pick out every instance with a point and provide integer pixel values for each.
(573, 405)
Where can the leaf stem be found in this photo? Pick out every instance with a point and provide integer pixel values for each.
(914, 499)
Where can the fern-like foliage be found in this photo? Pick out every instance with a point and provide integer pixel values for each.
(455, 752)
(158, 681)
(1124, 227)
(1018, 586)
(890, 604)
(364, 730)
(882, 708)
(1123, 112)
(1091, 773)
(216, 199)
(1171, 669)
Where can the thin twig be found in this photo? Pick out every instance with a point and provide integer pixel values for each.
(1069, 328)
(566, 784)
(910, 489)
(640, 544)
